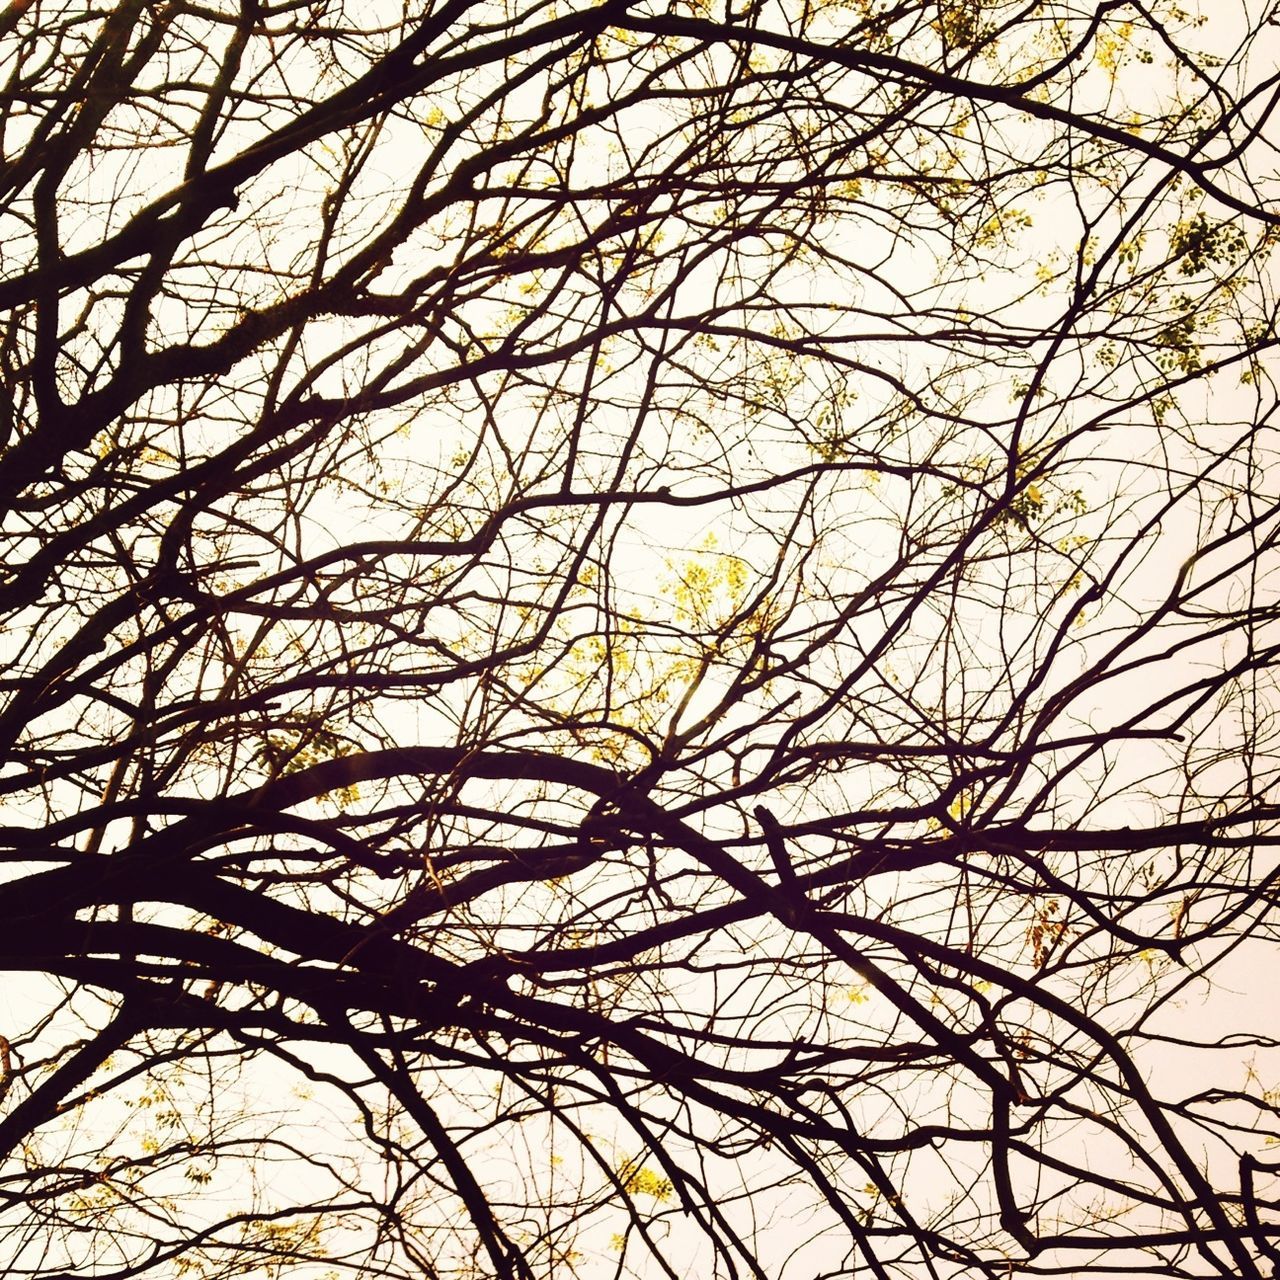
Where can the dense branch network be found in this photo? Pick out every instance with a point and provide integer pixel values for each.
(639, 639)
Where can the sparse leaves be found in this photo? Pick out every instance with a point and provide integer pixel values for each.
(637, 640)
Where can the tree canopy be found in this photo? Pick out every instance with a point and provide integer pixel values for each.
(639, 639)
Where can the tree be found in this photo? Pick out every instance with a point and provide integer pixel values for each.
(639, 639)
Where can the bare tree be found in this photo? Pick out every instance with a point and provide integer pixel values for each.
(639, 639)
